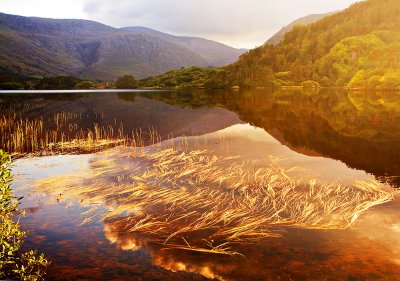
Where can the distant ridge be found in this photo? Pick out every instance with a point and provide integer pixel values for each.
(32, 46)
(277, 37)
(217, 54)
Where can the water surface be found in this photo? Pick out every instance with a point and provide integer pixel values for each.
(335, 137)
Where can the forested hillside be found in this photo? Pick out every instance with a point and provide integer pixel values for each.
(358, 47)
(277, 37)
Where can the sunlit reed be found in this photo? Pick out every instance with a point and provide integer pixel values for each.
(194, 201)
(61, 134)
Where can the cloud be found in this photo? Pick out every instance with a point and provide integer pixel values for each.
(44, 8)
(241, 22)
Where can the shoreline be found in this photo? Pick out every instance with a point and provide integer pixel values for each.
(81, 91)
(142, 90)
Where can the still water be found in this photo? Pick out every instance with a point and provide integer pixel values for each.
(334, 137)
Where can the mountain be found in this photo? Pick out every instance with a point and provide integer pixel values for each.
(277, 37)
(31, 46)
(217, 54)
(358, 47)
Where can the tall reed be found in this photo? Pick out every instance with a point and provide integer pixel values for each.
(62, 133)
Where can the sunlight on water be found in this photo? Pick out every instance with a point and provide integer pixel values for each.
(216, 198)
(210, 194)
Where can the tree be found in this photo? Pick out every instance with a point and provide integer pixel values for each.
(57, 83)
(309, 84)
(126, 82)
(11, 86)
(85, 85)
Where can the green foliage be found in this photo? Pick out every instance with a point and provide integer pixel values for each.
(13, 263)
(126, 82)
(13, 82)
(85, 84)
(11, 86)
(47, 83)
(310, 84)
(190, 77)
(388, 81)
(358, 47)
(57, 83)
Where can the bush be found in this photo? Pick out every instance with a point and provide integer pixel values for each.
(57, 83)
(390, 81)
(373, 82)
(310, 84)
(283, 75)
(126, 82)
(11, 86)
(358, 80)
(14, 264)
(85, 85)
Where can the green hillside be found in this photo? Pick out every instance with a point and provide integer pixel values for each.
(277, 37)
(358, 47)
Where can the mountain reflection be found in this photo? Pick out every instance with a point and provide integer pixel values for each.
(361, 129)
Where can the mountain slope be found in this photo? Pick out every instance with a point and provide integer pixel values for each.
(277, 37)
(358, 47)
(48, 47)
(217, 54)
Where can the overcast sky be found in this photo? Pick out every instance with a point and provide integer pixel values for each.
(239, 23)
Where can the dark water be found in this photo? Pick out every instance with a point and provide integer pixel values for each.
(334, 136)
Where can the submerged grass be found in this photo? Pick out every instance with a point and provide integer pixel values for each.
(197, 202)
(184, 199)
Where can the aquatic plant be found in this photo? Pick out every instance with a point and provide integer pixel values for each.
(61, 134)
(13, 263)
(200, 202)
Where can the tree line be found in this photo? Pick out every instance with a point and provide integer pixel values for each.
(63, 83)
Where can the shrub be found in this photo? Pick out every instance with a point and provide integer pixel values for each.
(85, 85)
(310, 84)
(126, 82)
(14, 264)
(390, 81)
(57, 83)
(11, 86)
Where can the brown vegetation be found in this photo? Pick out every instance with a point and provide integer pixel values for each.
(197, 202)
(61, 134)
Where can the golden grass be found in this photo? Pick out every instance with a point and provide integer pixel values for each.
(61, 133)
(197, 202)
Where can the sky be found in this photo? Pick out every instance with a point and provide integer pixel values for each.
(238, 23)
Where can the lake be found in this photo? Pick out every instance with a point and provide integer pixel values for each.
(206, 184)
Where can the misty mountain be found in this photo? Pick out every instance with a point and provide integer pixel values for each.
(31, 46)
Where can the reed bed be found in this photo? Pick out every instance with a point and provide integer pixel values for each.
(61, 133)
(197, 202)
